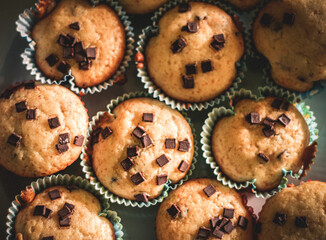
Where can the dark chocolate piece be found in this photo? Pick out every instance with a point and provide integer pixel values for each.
(288, 18)
(64, 138)
(174, 211)
(138, 132)
(62, 147)
(127, 164)
(132, 151)
(86, 65)
(71, 40)
(162, 160)
(191, 68)
(52, 59)
(71, 188)
(209, 190)
(66, 210)
(48, 213)
(242, 222)
(79, 140)
(79, 58)
(137, 178)
(170, 143)
(30, 85)
(95, 135)
(54, 122)
(184, 145)
(203, 232)
(21, 106)
(48, 238)
(206, 66)
(54, 194)
(14, 139)
(63, 67)
(217, 233)
(188, 82)
(31, 114)
(268, 132)
(218, 42)
(68, 52)
(281, 154)
(146, 140)
(222, 222)
(63, 41)
(178, 45)
(263, 156)
(183, 166)
(228, 213)
(279, 219)
(75, 26)
(266, 20)
(219, 38)
(107, 131)
(65, 222)
(268, 122)
(213, 221)
(91, 53)
(80, 49)
(253, 118)
(301, 222)
(161, 179)
(39, 210)
(228, 228)
(142, 197)
(184, 7)
(277, 103)
(285, 105)
(192, 27)
(284, 120)
(148, 117)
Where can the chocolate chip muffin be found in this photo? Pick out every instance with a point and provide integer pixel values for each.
(292, 36)
(261, 139)
(141, 6)
(192, 59)
(203, 209)
(42, 129)
(61, 213)
(295, 213)
(245, 4)
(89, 41)
(139, 147)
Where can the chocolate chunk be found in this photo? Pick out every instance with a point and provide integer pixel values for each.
(281, 154)
(21, 106)
(54, 194)
(228, 213)
(206, 66)
(138, 132)
(65, 222)
(48, 238)
(66, 211)
(132, 151)
(184, 145)
(284, 120)
(142, 197)
(54, 122)
(106, 132)
(79, 140)
(218, 42)
(242, 222)
(127, 164)
(209, 190)
(7, 93)
(178, 45)
(52, 59)
(137, 178)
(268, 132)
(30, 85)
(63, 67)
(174, 211)
(161, 179)
(183, 166)
(68, 52)
(203, 232)
(263, 156)
(86, 65)
(64, 138)
(285, 105)
(266, 20)
(188, 82)
(228, 228)
(80, 58)
(66, 41)
(62, 147)
(48, 213)
(91, 53)
(75, 26)
(219, 38)
(191, 68)
(71, 188)
(71, 40)
(170, 143)
(31, 114)
(95, 135)
(268, 122)
(288, 18)
(192, 27)
(14, 139)
(217, 233)
(184, 7)
(148, 117)
(253, 118)
(279, 219)
(301, 222)
(222, 222)
(277, 103)
(80, 49)
(213, 221)
(162, 160)
(146, 140)
(39, 210)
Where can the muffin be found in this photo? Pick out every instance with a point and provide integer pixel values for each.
(141, 6)
(295, 213)
(139, 147)
(262, 138)
(204, 209)
(280, 32)
(89, 41)
(192, 59)
(245, 4)
(43, 128)
(62, 213)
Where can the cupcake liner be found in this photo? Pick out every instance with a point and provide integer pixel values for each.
(90, 174)
(156, 92)
(66, 180)
(28, 19)
(221, 112)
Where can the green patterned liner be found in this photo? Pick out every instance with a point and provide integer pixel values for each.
(65, 180)
(218, 113)
(90, 174)
(156, 92)
(25, 24)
